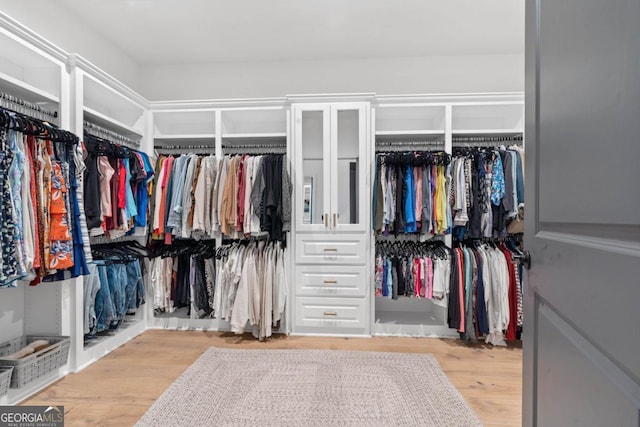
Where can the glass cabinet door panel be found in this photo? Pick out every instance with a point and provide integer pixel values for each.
(313, 168)
(348, 167)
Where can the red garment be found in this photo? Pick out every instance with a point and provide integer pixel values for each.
(122, 194)
(114, 220)
(513, 297)
(30, 149)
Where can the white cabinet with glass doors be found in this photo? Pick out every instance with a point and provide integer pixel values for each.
(331, 208)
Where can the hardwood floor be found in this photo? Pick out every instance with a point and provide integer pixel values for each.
(119, 388)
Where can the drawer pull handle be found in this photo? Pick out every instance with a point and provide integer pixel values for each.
(330, 249)
(332, 282)
(326, 220)
(334, 220)
(330, 313)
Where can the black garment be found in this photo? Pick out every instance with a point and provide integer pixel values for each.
(475, 216)
(453, 311)
(92, 207)
(201, 294)
(182, 297)
(270, 221)
(409, 287)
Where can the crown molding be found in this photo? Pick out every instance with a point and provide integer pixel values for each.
(24, 34)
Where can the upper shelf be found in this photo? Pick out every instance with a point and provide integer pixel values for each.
(28, 72)
(259, 122)
(107, 122)
(184, 124)
(109, 108)
(254, 138)
(488, 119)
(410, 120)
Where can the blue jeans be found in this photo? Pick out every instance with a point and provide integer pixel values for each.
(135, 286)
(131, 287)
(105, 309)
(118, 285)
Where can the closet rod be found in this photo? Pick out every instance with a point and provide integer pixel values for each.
(480, 144)
(185, 150)
(108, 134)
(13, 103)
(101, 240)
(231, 147)
(188, 147)
(484, 139)
(407, 143)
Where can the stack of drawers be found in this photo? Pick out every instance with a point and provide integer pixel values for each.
(331, 285)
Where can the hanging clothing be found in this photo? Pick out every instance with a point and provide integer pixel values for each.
(485, 293)
(413, 269)
(116, 188)
(41, 228)
(487, 197)
(410, 194)
(238, 196)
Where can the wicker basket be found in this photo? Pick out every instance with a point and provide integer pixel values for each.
(5, 380)
(35, 365)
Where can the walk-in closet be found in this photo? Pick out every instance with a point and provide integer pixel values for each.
(380, 214)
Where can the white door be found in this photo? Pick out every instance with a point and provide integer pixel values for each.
(582, 300)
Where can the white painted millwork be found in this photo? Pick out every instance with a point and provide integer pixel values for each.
(331, 316)
(342, 281)
(331, 249)
(581, 337)
(331, 181)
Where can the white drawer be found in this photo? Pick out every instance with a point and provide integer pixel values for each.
(331, 280)
(331, 315)
(331, 249)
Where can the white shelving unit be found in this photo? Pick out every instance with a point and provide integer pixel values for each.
(103, 101)
(427, 119)
(212, 127)
(33, 70)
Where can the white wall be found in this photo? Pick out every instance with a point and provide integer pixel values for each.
(443, 74)
(66, 30)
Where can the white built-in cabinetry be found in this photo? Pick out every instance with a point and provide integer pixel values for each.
(103, 101)
(331, 180)
(434, 123)
(33, 70)
(250, 126)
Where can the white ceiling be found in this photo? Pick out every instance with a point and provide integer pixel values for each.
(164, 32)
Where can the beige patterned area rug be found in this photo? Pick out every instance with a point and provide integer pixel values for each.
(227, 387)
